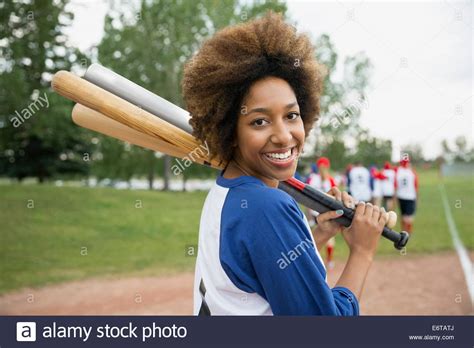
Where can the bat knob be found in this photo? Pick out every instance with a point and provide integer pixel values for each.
(402, 242)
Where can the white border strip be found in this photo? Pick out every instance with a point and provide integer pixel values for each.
(466, 263)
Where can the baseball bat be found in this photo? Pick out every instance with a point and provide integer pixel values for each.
(139, 96)
(83, 92)
(80, 90)
(93, 120)
(302, 193)
(320, 202)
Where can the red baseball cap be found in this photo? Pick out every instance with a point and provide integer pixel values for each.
(323, 162)
(404, 161)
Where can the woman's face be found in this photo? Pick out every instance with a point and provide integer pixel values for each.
(270, 131)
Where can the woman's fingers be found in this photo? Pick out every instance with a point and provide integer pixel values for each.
(369, 208)
(336, 193)
(329, 215)
(343, 197)
(348, 200)
(376, 213)
(360, 209)
(383, 219)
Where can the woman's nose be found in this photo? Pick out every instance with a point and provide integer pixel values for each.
(281, 133)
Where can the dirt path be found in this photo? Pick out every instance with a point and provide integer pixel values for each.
(404, 285)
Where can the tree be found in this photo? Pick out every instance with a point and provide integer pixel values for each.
(37, 137)
(149, 44)
(342, 101)
(460, 152)
(371, 150)
(336, 150)
(414, 152)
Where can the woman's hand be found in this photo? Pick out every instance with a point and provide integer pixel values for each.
(367, 225)
(326, 227)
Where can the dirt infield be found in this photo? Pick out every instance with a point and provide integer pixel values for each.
(403, 285)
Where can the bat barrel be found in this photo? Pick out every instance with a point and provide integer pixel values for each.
(139, 96)
(83, 92)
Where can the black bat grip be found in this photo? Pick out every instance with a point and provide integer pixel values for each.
(399, 239)
(321, 203)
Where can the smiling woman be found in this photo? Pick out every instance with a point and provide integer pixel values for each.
(253, 94)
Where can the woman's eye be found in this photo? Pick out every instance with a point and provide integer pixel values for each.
(293, 115)
(259, 122)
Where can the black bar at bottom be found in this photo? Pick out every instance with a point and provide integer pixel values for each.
(368, 331)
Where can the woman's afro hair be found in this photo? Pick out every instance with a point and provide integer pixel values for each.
(218, 76)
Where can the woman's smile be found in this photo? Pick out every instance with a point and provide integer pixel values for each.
(282, 158)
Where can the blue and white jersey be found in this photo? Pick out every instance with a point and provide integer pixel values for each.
(257, 256)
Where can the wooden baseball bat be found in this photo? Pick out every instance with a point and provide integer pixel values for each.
(93, 120)
(83, 92)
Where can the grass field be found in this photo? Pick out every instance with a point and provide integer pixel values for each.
(74, 233)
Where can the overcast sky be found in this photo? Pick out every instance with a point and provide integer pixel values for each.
(422, 87)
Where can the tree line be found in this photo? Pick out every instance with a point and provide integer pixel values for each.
(148, 43)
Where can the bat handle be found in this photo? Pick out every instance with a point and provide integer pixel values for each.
(320, 202)
(399, 239)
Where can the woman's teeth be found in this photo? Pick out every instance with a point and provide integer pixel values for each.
(279, 156)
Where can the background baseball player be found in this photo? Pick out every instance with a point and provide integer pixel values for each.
(406, 190)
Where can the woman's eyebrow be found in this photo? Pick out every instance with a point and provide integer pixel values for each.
(268, 111)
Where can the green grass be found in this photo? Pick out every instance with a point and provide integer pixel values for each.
(460, 192)
(75, 233)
